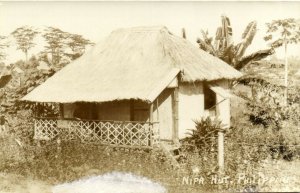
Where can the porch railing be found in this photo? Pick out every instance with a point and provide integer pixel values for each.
(121, 133)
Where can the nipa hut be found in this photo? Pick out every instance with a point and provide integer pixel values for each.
(138, 87)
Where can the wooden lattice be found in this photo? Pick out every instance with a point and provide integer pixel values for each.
(105, 132)
(116, 133)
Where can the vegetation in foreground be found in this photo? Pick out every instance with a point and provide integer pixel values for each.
(54, 164)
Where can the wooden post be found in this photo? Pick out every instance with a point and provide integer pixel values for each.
(151, 122)
(61, 110)
(131, 110)
(157, 110)
(151, 113)
(223, 112)
(38, 109)
(221, 151)
(175, 100)
(285, 74)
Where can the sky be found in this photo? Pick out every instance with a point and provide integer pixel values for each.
(95, 20)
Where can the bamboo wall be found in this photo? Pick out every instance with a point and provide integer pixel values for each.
(191, 106)
(117, 111)
(164, 114)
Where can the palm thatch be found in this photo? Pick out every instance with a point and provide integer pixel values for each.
(134, 63)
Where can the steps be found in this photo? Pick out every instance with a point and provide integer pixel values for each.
(172, 152)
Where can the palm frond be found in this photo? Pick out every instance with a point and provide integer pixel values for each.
(250, 27)
(254, 57)
(227, 55)
(226, 31)
(218, 39)
(206, 38)
(206, 46)
(247, 38)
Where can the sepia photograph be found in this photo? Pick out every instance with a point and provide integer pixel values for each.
(149, 96)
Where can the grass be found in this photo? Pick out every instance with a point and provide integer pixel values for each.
(283, 176)
(50, 165)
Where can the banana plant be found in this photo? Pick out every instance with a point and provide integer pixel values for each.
(223, 47)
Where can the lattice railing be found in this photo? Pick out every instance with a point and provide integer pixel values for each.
(143, 134)
(116, 133)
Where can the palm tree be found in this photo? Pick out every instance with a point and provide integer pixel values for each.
(223, 47)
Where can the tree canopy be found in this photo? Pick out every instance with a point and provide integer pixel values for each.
(24, 37)
(63, 46)
(283, 30)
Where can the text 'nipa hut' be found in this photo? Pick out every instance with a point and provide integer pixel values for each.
(138, 87)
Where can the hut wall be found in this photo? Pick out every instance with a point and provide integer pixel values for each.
(191, 106)
(163, 114)
(117, 111)
(140, 111)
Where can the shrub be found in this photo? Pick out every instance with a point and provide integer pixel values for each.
(200, 149)
(20, 125)
(204, 135)
(266, 108)
(247, 146)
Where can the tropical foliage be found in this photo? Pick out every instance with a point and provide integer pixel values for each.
(24, 37)
(204, 135)
(19, 78)
(223, 47)
(77, 44)
(286, 31)
(21, 84)
(54, 38)
(283, 31)
(63, 47)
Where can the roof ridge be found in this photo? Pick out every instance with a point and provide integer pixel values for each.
(143, 29)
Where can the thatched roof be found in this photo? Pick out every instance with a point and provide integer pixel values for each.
(134, 63)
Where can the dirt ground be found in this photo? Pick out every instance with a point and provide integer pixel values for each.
(12, 183)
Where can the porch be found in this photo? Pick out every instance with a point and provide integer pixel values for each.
(119, 133)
